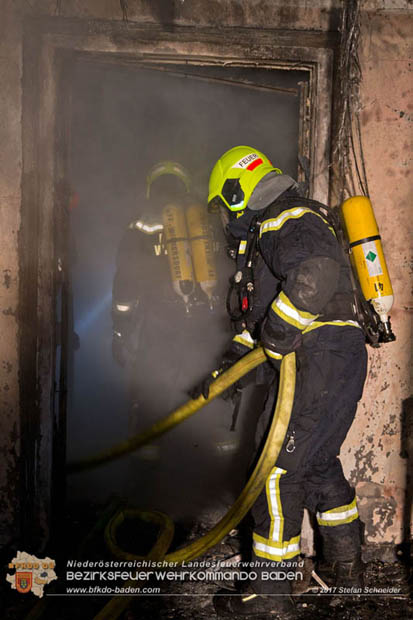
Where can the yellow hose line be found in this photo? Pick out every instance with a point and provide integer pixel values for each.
(261, 472)
(118, 604)
(163, 541)
(224, 381)
(242, 505)
(254, 485)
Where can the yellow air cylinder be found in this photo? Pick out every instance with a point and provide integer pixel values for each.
(367, 254)
(177, 245)
(202, 249)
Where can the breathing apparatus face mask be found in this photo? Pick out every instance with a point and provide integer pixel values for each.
(226, 216)
(233, 194)
(218, 207)
(228, 203)
(231, 197)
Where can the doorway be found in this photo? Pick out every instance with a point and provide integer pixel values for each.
(125, 119)
(56, 305)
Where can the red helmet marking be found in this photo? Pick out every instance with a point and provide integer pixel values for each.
(254, 164)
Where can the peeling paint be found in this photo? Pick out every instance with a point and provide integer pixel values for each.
(7, 366)
(401, 114)
(6, 278)
(9, 311)
(377, 508)
(365, 465)
(383, 517)
(391, 428)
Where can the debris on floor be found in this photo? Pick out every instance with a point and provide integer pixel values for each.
(387, 593)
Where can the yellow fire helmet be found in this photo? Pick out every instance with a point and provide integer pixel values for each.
(235, 176)
(167, 167)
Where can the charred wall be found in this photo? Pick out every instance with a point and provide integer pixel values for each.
(10, 204)
(376, 452)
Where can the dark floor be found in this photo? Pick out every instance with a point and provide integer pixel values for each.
(193, 600)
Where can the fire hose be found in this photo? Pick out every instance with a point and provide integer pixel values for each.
(241, 506)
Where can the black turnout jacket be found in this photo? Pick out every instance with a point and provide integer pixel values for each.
(300, 275)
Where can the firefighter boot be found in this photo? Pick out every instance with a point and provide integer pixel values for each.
(227, 604)
(265, 598)
(342, 565)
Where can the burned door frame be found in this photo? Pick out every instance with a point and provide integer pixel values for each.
(50, 45)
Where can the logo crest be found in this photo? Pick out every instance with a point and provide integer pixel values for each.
(32, 573)
(24, 581)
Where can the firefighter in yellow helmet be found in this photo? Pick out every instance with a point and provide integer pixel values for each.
(167, 181)
(144, 299)
(164, 312)
(292, 292)
(142, 260)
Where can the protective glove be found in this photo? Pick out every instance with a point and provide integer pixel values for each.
(229, 360)
(204, 385)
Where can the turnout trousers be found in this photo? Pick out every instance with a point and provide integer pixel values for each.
(331, 370)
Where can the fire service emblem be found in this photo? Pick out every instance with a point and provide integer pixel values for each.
(32, 573)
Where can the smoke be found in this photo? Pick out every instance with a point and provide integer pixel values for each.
(124, 120)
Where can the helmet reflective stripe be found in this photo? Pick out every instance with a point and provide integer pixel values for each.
(167, 167)
(240, 169)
